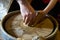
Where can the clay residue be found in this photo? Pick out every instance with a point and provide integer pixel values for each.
(14, 26)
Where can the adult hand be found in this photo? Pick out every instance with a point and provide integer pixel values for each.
(27, 12)
(28, 15)
(40, 16)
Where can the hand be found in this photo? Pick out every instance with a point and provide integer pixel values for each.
(27, 12)
(32, 18)
(28, 15)
(40, 16)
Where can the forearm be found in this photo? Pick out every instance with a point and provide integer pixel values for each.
(24, 3)
(50, 6)
(29, 1)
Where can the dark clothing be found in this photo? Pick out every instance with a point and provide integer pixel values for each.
(38, 5)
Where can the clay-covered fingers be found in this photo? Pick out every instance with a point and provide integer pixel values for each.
(40, 17)
(36, 18)
(33, 16)
(29, 19)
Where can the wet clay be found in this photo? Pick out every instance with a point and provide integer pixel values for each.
(15, 27)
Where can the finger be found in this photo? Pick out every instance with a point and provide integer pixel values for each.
(24, 18)
(28, 19)
(35, 18)
(32, 19)
(40, 17)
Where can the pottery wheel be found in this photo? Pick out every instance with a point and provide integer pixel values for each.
(15, 26)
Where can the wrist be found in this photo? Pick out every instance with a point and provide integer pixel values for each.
(20, 1)
(45, 11)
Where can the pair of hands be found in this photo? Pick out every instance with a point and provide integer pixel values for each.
(30, 16)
